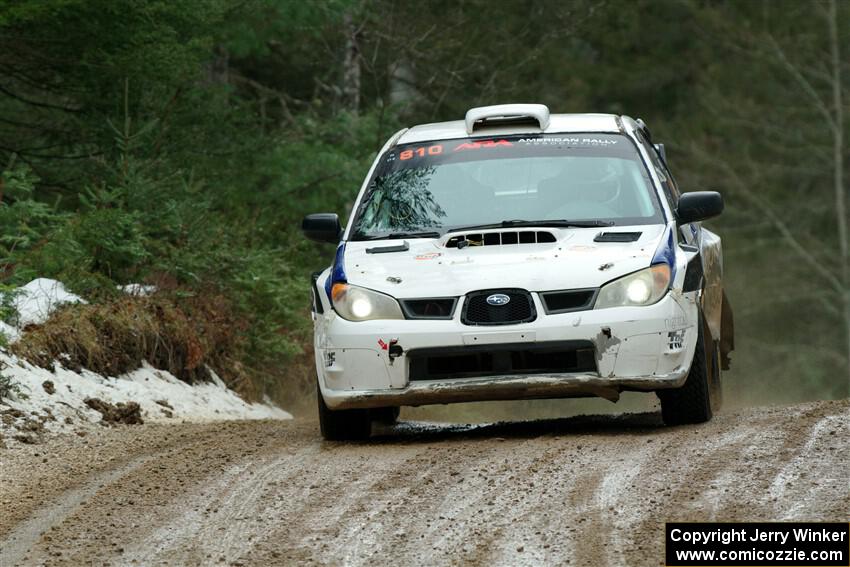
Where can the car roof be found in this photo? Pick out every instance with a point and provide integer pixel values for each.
(557, 123)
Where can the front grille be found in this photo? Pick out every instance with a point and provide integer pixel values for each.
(568, 300)
(519, 308)
(554, 357)
(429, 308)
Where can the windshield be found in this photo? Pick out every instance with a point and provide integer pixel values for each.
(433, 187)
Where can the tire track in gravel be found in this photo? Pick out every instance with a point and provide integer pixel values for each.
(55, 487)
(814, 467)
(135, 501)
(613, 496)
(15, 544)
(669, 488)
(455, 505)
(348, 502)
(225, 500)
(244, 506)
(575, 491)
(729, 475)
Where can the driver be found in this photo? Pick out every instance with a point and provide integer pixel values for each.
(585, 188)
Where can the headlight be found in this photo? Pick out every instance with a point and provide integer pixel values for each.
(361, 304)
(640, 288)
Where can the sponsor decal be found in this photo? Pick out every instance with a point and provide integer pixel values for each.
(582, 248)
(478, 144)
(421, 152)
(571, 141)
(428, 256)
(676, 340)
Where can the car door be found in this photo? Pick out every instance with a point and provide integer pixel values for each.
(705, 266)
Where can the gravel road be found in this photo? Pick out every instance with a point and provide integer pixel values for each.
(577, 491)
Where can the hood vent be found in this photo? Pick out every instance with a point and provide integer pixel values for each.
(500, 238)
(617, 237)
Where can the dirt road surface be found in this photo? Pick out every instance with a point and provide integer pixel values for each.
(577, 491)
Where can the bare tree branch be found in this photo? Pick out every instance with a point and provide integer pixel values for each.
(36, 103)
(803, 82)
(780, 225)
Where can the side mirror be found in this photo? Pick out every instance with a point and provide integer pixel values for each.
(698, 206)
(322, 227)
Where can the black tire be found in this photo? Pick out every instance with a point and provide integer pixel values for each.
(343, 425)
(715, 388)
(692, 402)
(387, 416)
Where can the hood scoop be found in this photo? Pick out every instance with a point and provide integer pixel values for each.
(506, 238)
(403, 247)
(617, 236)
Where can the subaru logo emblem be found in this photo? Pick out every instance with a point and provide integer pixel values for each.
(498, 299)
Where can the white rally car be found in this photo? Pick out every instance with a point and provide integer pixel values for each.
(517, 254)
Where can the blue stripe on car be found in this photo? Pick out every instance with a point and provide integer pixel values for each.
(666, 254)
(337, 271)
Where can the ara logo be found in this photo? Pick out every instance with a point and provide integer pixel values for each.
(498, 299)
(482, 144)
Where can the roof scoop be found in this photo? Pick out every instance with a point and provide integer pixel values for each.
(506, 114)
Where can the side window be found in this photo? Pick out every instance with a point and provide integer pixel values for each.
(668, 184)
(674, 187)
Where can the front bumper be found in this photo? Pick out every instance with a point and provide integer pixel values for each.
(636, 348)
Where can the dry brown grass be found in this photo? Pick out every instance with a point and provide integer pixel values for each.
(183, 335)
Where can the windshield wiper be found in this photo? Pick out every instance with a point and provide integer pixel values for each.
(398, 235)
(558, 223)
(545, 223)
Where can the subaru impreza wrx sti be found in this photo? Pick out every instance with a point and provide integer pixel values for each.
(513, 255)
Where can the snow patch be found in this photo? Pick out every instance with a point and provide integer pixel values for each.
(54, 401)
(162, 397)
(10, 333)
(35, 301)
(139, 290)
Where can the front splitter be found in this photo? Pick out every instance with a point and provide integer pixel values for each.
(492, 388)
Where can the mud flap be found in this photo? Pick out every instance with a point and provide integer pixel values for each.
(727, 333)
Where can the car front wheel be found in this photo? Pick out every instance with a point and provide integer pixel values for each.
(694, 401)
(343, 425)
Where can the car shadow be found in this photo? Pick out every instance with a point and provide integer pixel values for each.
(426, 431)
